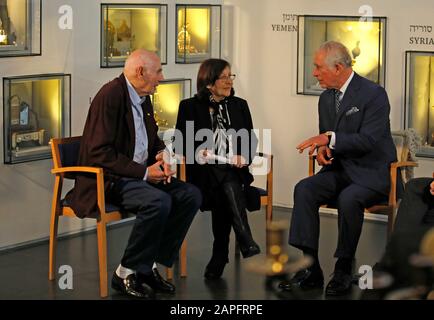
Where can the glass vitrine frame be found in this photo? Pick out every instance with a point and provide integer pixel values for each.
(425, 114)
(31, 27)
(305, 60)
(161, 37)
(214, 45)
(16, 131)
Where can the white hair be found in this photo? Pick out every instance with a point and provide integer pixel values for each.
(336, 53)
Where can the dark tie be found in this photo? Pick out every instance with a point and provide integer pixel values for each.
(337, 100)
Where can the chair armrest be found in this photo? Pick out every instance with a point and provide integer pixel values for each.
(181, 171)
(77, 169)
(311, 160)
(401, 164)
(99, 185)
(393, 178)
(263, 155)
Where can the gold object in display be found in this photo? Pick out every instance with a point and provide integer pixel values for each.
(124, 32)
(3, 37)
(356, 52)
(184, 41)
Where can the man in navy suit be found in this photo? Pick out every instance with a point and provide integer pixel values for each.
(355, 148)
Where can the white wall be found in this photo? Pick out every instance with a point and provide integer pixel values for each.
(26, 189)
(265, 63)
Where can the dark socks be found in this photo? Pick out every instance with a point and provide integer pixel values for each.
(344, 265)
(314, 255)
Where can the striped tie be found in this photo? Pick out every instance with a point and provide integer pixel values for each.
(337, 100)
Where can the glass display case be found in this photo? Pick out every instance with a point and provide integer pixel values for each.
(20, 28)
(419, 98)
(364, 38)
(198, 35)
(127, 27)
(166, 101)
(35, 109)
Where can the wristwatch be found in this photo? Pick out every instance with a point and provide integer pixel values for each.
(329, 135)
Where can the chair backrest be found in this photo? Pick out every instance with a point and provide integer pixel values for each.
(406, 142)
(65, 151)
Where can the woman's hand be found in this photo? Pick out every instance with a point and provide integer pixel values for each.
(238, 161)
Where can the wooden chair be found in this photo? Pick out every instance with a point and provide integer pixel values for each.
(404, 153)
(267, 193)
(65, 154)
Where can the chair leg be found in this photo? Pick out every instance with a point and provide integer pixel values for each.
(184, 259)
(102, 257)
(390, 223)
(269, 211)
(53, 245)
(169, 273)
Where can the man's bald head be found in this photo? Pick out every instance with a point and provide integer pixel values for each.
(143, 70)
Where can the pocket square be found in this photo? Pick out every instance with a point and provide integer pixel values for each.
(352, 111)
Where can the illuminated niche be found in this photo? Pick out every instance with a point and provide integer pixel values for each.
(419, 98)
(36, 109)
(125, 28)
(20, 28)
(166, 101)
(364, 38)
(198, 33)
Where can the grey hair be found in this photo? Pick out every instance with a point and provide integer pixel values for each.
(336, 53)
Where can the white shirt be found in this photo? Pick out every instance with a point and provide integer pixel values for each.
(141, 138)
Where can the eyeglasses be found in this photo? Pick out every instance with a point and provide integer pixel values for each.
(227, 78)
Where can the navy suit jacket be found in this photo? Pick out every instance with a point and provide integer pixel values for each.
(364, 146)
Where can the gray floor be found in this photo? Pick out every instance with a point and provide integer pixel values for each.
(24, 272)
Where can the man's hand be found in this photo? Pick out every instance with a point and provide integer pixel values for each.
(155, 174)
(432, 188)
(313, 143)
(324, 156)
(238, 161)
(165, 165)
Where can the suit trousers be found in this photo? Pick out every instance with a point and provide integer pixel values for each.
(350, 200)
(164, 213)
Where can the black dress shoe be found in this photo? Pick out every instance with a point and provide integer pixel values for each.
(339, 285)
(214, 268)
(130, 286)
(156, 282)
(305, 279)
(250, 251)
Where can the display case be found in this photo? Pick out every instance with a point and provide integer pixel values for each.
(364, 37)
(419, 98)
(20, 28)
(127, 27)
(198, 35)
(35, 109)
(166, 101)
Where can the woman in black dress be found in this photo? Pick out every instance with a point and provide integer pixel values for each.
(225, 182)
